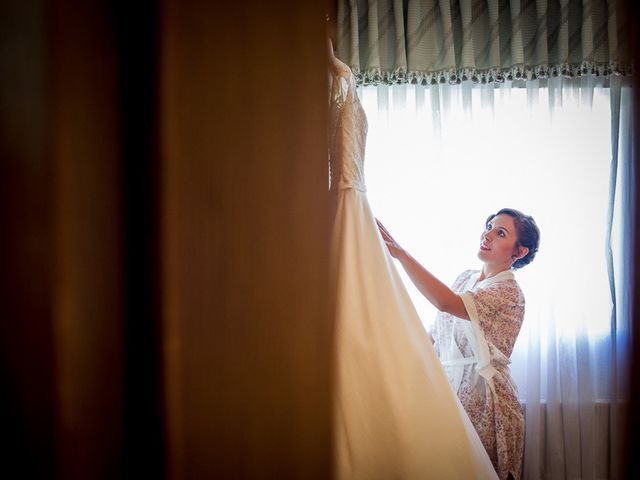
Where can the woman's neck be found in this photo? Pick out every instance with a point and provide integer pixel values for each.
(489, 271)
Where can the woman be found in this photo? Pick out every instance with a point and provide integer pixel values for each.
(476, 329)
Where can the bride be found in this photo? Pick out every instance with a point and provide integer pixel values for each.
(395, 414)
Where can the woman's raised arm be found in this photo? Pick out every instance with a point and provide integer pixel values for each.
(441, 296)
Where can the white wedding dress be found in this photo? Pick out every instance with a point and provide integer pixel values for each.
(396, 417)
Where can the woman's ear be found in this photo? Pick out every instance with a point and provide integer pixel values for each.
(522, 252)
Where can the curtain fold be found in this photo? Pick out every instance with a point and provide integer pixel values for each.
(449, 41)
(619, 250)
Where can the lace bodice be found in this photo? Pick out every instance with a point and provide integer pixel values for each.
(348, 135)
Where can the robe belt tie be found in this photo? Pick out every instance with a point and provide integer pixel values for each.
(458, 362)
(487, 371)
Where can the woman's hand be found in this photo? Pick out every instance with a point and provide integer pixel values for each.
(394, 247)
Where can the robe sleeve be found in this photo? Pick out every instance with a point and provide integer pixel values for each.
(499, 311)
(496, 313)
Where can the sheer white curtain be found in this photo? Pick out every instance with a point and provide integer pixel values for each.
(440, 159)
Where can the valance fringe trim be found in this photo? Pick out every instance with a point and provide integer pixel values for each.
(400, 75)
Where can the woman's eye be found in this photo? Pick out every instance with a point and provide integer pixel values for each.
(501, 233)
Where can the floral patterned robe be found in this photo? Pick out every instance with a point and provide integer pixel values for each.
(475, 356)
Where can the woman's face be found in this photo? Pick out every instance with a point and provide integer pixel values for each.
(499, 241)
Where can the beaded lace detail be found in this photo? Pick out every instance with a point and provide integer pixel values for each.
(348, 130)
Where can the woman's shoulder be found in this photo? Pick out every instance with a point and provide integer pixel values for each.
(517, 291)
(507, 288)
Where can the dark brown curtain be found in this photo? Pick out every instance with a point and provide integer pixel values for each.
(244, 180)
(164, 240)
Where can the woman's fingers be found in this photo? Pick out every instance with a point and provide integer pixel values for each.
(385, 233)
(394, 249)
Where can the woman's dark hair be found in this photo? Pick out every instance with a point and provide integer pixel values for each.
(527, 231)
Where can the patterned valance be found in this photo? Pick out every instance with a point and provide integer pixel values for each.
(430, 41)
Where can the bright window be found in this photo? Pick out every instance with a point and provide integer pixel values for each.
(434, 191)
